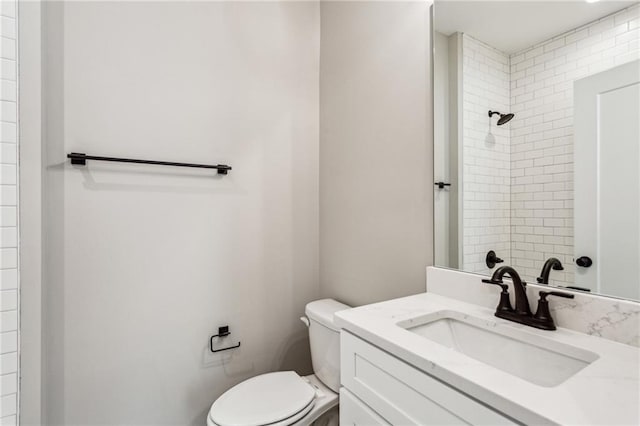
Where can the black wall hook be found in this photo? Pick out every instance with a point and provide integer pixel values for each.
(222, 332)
(584, 261)
(492, 259)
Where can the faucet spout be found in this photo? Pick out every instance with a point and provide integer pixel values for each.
(551, 263)
(519, 286)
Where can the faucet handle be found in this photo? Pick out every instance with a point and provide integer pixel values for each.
(544, 294)
(505, 304)
(504, 286)
(543, 315)
(501, 283)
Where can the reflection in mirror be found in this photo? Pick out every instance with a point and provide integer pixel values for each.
(537, 112)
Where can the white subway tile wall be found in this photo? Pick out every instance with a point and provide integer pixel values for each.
(485, 155)
(9, 291)
(542, 135)
(528, 170)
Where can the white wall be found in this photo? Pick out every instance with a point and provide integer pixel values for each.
(31, 172)
(447, 95)
(542, 135)
(485, 155)
(9, 283)
(441, 150)
(142, 262)
(376, 159)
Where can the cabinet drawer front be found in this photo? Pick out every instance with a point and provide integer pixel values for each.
(355, 412)
(404, 395)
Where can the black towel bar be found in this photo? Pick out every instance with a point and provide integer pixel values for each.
(80, 159)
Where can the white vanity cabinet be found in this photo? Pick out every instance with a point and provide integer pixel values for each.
(379, 389)
(355, 412)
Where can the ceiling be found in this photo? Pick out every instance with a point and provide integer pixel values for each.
(511, 26)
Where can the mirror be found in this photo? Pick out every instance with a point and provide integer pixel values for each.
(537, 141)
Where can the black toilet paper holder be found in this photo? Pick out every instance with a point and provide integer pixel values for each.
(222, 332)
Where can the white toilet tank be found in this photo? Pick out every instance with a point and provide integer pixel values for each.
(324, 338)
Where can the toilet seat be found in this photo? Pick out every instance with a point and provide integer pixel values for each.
(275, 399)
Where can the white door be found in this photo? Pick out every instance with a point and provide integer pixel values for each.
(607, 181)
(441, 151)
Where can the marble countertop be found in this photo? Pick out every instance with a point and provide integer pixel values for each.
(605, 392)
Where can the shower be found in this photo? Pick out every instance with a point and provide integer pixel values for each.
(504, 118)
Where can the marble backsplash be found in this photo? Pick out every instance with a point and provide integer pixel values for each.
(609, 318)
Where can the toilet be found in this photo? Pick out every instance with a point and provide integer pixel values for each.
(284, 398)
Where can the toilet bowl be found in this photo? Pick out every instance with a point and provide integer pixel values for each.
(282, 398)
(285, 398)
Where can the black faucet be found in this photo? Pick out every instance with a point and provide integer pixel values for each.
(522, 313)
(519, 286)
(556, 265)
(551, 263)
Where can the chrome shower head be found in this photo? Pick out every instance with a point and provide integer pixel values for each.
(504, 118)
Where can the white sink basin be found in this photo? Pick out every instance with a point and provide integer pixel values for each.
(538, 360)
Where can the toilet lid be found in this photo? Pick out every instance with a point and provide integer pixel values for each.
(262, 400)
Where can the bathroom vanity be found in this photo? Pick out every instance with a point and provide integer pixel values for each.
(430, 359)
(545, 190)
